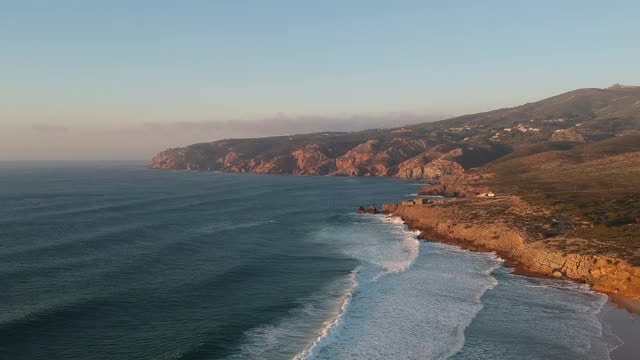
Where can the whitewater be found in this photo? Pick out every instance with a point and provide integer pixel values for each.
(399, 295)
(416, 300)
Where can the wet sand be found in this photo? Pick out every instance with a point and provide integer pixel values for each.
(622, 316)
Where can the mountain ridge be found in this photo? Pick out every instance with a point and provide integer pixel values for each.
(583, 115)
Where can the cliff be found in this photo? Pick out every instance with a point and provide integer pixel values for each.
(474, 225)
(423, 151)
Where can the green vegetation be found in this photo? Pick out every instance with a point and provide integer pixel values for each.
(594, 187)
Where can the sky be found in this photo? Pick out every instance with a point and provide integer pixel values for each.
(126, 79)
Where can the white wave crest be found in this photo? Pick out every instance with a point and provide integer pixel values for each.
(331, 327)
(279, 340)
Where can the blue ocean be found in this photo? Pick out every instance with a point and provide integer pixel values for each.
(115, 261)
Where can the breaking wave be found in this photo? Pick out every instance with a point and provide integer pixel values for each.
(401, 305)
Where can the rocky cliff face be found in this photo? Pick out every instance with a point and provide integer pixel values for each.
(373, 157)
(361, 160)
(312, 160)
(377, 158)
(428, 166)
(452, 225)
(187, 158)
(404, 158)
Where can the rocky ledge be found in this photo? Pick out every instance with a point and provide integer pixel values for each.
(471, 225)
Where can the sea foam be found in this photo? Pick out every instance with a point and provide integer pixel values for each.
(402, 306)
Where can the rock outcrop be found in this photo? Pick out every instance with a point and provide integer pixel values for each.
(567, 135)
(425, 166)
(312, 160)
(189, 158)
(376, 158)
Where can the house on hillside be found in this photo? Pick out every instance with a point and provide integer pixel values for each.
(408, 203)
(422, 201)
(490, 194)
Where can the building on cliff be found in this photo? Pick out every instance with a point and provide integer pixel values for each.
(427, 201)
(408, 203)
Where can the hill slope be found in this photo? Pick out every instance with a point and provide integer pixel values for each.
(428, 150)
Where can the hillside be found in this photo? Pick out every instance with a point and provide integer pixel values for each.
(592, 191)
(428, 150)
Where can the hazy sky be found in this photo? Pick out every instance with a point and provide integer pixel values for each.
(88, 79)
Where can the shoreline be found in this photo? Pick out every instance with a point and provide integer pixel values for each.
(605, 275)
(619, 316)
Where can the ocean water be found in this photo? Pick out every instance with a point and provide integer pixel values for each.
(114, 261)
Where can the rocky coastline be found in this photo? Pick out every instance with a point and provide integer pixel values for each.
(451, 224)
